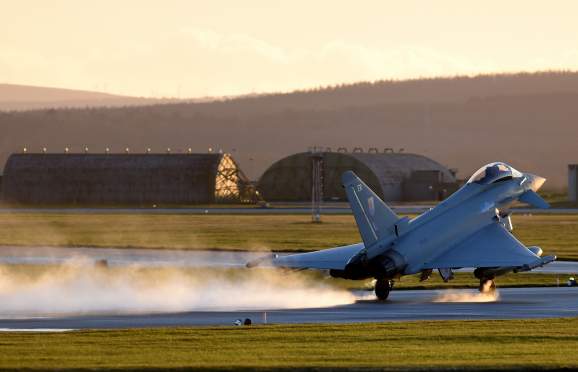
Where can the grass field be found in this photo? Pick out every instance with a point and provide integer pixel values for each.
(555, 234)
(179, 231)
(557, 198)
(463, 344)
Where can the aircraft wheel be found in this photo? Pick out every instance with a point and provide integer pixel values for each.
(382, 289)
(487, 287)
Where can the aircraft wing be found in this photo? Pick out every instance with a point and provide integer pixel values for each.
(334, 258)
(491, 246)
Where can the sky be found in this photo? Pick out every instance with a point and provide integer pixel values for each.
(192, 49)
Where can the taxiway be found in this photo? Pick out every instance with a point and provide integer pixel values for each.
(173, 258)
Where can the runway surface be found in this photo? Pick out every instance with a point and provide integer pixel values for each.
(176, 258)
(514, 303)
(128, 257)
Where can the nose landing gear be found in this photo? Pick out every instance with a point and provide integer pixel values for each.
(382, 288)
(487, 287)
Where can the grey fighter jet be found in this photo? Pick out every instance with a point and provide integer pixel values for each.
(469, 229)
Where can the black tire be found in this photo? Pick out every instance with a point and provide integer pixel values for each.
(487, 287)
(382, 289)
(482, 286)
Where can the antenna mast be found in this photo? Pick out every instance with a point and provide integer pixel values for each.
(316, 155)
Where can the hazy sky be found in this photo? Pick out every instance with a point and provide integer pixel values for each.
(149, 48)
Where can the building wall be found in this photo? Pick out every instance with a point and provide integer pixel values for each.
(426, 185)
(289, 179)
(573, 182)
(111, 178)
(392, 170)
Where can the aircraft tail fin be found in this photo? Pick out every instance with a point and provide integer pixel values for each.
(373, 216)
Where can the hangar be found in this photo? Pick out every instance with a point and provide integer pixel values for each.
(392, 176)
(124, 179)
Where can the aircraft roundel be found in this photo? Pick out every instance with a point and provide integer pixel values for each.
(371, 206)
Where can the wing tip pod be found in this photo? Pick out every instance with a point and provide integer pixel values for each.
(539, 262)
(256, 262)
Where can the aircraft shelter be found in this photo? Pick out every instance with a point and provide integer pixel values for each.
(124, 179)
(392, 176)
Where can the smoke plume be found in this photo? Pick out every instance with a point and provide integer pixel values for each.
(76, 288)
(466, 296)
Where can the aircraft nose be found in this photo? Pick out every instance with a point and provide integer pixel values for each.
(535, 181)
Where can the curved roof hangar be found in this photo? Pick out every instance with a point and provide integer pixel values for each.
(289, 179)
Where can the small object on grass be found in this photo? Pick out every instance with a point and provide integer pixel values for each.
(101, 263)
(206, 211)
(247, 321)
(264, 318)
(238, 322)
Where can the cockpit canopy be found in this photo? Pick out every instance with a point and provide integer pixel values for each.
(494, 172)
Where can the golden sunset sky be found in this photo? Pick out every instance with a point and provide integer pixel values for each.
(215, 48)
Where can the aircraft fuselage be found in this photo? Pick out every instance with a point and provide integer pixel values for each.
(426, 237)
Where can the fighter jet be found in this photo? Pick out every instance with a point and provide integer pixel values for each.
(470, 229)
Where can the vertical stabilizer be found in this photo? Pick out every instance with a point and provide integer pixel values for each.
(373, 217)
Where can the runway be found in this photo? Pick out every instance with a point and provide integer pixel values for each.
(173, 258)
(514, 303)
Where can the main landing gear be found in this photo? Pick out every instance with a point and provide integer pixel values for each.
(487, 287)
(382, 288)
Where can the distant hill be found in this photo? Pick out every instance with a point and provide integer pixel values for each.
(24, 97)
(530, 121)
(459, 89)
(25, 93)
(441, 89)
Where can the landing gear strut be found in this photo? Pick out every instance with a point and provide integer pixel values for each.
(382, 288)
(487, 287)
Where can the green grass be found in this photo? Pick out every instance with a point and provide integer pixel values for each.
(178, 231)
(557, 198)
(462, 344)
(555, 234)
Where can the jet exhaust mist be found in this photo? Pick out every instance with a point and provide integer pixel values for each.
(48, 289)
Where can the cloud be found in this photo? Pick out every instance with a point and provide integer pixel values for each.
(21, 58)
(213, 63)
(238, 42)
(35, 68)
(246, 61)
(403, 62)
